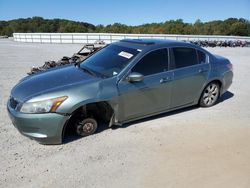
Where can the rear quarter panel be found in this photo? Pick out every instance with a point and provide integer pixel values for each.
(220, 71)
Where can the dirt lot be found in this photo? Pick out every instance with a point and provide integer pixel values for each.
(195, 147)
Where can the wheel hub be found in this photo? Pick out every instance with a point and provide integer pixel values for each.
(210, 94)
(88, 127)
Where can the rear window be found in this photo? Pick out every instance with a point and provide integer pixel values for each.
(201, 57)
(183, 57)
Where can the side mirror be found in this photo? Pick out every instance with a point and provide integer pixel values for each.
(135, 77)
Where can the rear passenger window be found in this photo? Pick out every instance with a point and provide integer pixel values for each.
(183, 57)
(201, 57)
(152, 63)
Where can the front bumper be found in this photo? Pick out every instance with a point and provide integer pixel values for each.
(45, 128)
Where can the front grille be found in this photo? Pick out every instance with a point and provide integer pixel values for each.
(13, 102)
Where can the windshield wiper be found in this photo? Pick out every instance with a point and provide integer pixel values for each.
(89, 71)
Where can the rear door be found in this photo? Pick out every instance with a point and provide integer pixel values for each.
(150, 95)
(190, 68)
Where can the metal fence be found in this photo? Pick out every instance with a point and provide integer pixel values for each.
(83, 38)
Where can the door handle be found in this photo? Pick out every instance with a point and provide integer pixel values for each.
(202, 70)
(164, 80)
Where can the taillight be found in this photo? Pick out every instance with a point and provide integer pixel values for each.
(230, 66)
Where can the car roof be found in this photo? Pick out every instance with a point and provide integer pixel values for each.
(152, 43)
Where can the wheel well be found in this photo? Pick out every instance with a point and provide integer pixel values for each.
(216, 81)
(101, 111)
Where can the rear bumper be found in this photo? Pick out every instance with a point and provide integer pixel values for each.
(227, 81)
(45, 128)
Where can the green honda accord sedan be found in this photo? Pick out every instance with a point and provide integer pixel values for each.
(124, 81)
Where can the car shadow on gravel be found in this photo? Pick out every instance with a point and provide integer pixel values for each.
(72, 136)
(227, 95)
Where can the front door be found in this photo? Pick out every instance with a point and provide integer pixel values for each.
(152, 94)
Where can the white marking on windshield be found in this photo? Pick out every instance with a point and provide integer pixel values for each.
(125, 54)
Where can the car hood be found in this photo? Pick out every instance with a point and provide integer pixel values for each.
(51, 80)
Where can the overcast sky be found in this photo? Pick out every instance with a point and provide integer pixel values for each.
(131, 12)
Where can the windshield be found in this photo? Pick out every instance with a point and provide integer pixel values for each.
(110, 60)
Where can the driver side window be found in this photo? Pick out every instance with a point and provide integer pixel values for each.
(152, 63)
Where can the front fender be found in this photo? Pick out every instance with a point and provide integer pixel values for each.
(104, 90)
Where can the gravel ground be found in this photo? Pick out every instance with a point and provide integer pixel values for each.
(194, 147)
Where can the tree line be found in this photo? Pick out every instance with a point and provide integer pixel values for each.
(230, 26)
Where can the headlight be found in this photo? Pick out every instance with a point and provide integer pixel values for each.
(44, 106)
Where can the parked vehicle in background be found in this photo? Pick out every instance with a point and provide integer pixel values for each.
(220, 43)
(120, 83)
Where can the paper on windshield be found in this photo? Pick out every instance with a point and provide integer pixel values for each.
(125, 54)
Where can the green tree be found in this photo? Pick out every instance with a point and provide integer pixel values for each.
(230, 26)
